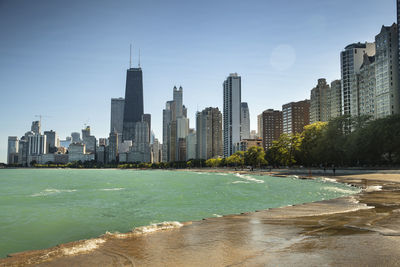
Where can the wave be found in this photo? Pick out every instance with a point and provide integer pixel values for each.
(249, 178)
(339, 190)
(148, 229)
(85, 246)
(240, 182)
(52, 191)
(373, 188)
(112, 189)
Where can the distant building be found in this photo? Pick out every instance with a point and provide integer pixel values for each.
(156, 151)
(245, 121)
(76, 137)
(140, 151)
(23, 151)
(117, 114)
(272, 127)
(51, 141)
(12, 151)
(245, 144)
(335, 99)
(89, 140)
(366, 86)
(36, 127)
(125, 146)
(259, 125)
(231, 112)
(77, 152)
(319, 105)
(351, 60)
(103, 142)
(191, 145)
(253, 134)
(37, 145)
(112, 151)
(101, 154)
(387, 72)
(133, 107)
(296, 115)
(209, 133)
(147, 118)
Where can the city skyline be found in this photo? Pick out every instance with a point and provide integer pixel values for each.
(68, 102)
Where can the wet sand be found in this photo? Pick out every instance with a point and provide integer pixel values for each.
(360, 230)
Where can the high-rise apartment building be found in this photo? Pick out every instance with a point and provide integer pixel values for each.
(245, 121)
(191, 145)
(259, 125)
(209, 133)
(133, 107)
(12, 150)
(366, 86)
(351, 60)
(112, 151)
(147, 118)
(231, 112)
(319, 105)
(117, 114)
(272, 127)
(387, 96)
(335, 99)
(37, 144)
(296, 115)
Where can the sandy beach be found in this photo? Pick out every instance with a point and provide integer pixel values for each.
(360, 230)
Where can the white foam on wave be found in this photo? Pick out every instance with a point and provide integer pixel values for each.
(338, 190)
(52, 191)
(249, 178)
(85, 246)
(240, 182)
(217, 215)
(329, 180)
(156, 227)
(373, 188)
(112, 189)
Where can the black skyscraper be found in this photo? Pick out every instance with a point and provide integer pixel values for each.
(133, 109)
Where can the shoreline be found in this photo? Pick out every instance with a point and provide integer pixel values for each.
(295, 226)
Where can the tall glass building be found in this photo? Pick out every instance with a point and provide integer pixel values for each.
(133, 108)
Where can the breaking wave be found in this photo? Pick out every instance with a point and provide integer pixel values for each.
(249, 178)
(52, 191)
(339, 190)
(155, 227)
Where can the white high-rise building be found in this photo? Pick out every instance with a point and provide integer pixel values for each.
(245, 121)
(232, 109)
(117, 114)
(351, 60)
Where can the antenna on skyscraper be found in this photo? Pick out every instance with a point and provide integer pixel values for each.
(130, 56)
(139, 58)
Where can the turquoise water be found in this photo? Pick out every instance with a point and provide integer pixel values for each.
(41, 208)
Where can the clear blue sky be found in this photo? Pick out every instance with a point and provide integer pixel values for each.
(67, 59)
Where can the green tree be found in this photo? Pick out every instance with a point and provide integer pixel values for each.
(236, 159)
(255, 157)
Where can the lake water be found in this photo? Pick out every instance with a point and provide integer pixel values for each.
(41, 208)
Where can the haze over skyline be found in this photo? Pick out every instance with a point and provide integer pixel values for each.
(67, 60)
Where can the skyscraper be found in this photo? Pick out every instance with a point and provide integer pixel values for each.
(335, 99)
(51, 141)
(272, 127)
(209, 133)
(245, 121)
(387, 96)
(133, 107)
(117, 114)
(366, 86)
(319, 105)
(296, 115)
(351, 60)
(147, 118)
(232, 107)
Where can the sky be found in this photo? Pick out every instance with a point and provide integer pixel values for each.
(65, 60)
